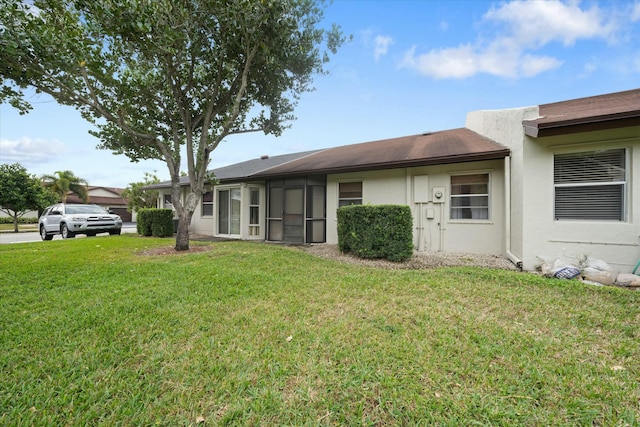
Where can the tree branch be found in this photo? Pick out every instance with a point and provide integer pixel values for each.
(146, 139)
(231, 118)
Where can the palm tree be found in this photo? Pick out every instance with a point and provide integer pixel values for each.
(61, 182)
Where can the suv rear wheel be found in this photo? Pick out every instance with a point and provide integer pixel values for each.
(44, 235)
(66, 233)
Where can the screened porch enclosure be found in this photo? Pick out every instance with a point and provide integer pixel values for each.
(296, 210)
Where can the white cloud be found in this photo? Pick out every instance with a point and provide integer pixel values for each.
(588, 69)
(523, 28)
(466, 61)
(459, 62)
(536, 23)
(635, 12)
(531, 65)
(30, 151)
(381, 46)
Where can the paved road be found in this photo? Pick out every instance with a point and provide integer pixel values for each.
(128, 227)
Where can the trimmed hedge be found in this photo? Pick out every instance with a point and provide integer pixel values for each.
(380, 231)
(22, 220)
(155, 222)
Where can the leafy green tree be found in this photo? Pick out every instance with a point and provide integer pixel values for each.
(21, 192)
(164, 79)
(137, 198)
(61, 182)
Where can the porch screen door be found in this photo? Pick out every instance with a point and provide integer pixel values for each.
(296, 210)
(294, 215)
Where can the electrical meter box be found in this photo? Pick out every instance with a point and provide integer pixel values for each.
(438, 195)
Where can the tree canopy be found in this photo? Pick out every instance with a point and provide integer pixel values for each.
(139, 198)
(163, 79)
(21, 192)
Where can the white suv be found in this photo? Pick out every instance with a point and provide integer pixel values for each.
(69, 220)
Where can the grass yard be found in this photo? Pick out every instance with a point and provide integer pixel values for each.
(21, 227)
(94, 332)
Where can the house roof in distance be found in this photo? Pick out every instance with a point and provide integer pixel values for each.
(114, 200)
(609, 111)
(450, 146)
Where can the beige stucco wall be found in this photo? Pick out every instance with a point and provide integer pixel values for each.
(399, 186)
(199, 224)
(101, 192)
(505, 127)
(616, 242)
(29, 214)
(207, 224)
(535, 234)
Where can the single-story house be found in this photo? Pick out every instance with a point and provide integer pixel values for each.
(543, 181)
(109, 198)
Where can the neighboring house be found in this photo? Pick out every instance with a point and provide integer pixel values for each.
(109, 198)
(544, 181)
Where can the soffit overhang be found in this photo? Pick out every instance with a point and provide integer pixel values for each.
(596, 113)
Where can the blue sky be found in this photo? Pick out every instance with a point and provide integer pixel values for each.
(412, 66)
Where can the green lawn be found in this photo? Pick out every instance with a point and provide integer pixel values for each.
(94, 332)
(21, 227)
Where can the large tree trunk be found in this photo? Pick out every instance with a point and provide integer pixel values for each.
(182, 236)
(15, 223)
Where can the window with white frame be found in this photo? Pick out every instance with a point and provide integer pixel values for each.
(349, 193)
(254, 211)
(470, 196)
(166, 202)
(207, 203)
(590, 185)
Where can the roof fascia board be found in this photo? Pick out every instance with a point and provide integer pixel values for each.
(539, 130)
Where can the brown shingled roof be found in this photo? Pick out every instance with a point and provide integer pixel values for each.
(115, 200)
(451, 146)
(613, 110)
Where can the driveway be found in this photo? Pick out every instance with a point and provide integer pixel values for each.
(127, 227)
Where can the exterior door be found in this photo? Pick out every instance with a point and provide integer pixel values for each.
(229, 209)
(293, 218)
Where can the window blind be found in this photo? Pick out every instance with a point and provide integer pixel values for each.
(590, 185)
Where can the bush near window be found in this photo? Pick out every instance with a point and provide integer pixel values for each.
(155, 222)
(380, 231)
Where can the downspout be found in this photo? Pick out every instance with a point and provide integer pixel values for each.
(420, 229)
(441, 226)
(507, 213)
